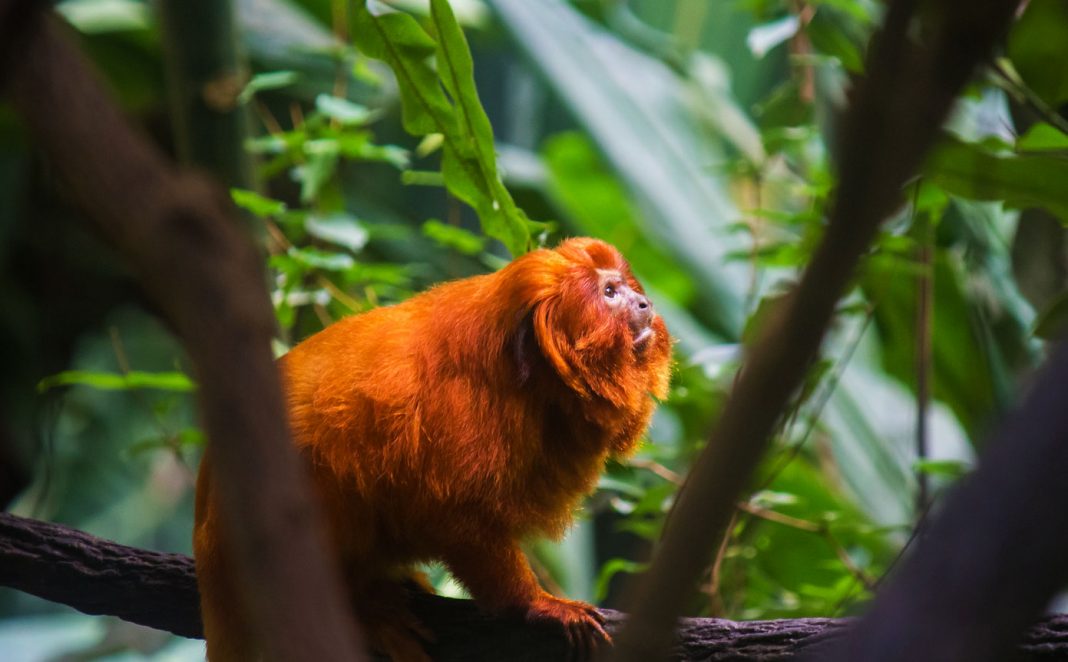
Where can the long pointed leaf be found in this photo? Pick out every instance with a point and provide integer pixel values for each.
(468, 158)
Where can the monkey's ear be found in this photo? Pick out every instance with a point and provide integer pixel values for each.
(524, 350)
(553, 345)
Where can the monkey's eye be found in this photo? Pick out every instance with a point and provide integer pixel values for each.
(610, 291)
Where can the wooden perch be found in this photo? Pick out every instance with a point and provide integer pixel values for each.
(159, 590)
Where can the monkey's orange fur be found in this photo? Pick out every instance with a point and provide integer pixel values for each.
(454, 425)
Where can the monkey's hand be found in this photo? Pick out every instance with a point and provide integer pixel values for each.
(582, 624)
(500, 580)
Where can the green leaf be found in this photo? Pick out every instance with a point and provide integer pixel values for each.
(341, 229)
(610, 570)
(1021, 181)
(269, 144)
(399, 41)
(111, 381)
(830, 36)
(1038, 48)
(947, 468)
(1042, 137)
(471, 13)
(507, 222)
(606, 482)
(422, 178)
(468, 158)
(479, 184)
(192, 437)
(343, 110)
(762, 38)
(271, 80)
(322, 156)
(454, 237)
(103, 16)
(311, 257)
(255, 203)
(770, 499)
(359, 146)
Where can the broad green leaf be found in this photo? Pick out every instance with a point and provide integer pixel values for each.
(398, 40)
(1042, 137)
(111, 381)
(255, 203)
(1038, 48)
(1021, 181)
(468, 159)
(457, 72)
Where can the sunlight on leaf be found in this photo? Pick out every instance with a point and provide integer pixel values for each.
(111, 381)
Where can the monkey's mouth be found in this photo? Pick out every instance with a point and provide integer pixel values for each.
(642, 336)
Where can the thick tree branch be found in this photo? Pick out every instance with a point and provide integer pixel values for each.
(895, 116)
(99, 577)
(182, 238)
(159, 590)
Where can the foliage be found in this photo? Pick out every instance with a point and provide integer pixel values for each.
(698, 137)
(468, 163)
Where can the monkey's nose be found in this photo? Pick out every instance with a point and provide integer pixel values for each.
(641, 310)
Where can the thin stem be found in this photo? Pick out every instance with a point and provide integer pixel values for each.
(924, 310)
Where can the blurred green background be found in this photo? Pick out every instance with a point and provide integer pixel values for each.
(697, 136)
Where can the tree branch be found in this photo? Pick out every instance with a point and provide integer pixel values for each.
(183, 240)
(895, 117)
(159, 590)
(99, 577)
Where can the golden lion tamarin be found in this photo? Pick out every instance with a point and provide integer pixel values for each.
(454, 425)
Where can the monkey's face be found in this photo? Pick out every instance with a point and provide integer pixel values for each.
(593, 322)
(626, 301)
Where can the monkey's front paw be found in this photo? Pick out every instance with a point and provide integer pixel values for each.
(583, 625)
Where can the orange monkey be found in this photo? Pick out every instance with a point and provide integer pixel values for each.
(454, 425)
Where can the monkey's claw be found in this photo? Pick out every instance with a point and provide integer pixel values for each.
(582, 624)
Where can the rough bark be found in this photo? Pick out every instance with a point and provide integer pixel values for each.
(159, 590)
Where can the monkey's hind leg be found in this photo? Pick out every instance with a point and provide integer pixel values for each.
(229, 636)
(388, 623)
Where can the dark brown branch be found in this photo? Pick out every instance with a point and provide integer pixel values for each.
(895, 117)
(159, 590)
(991, 560)
(99, 577)
(183, 240)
